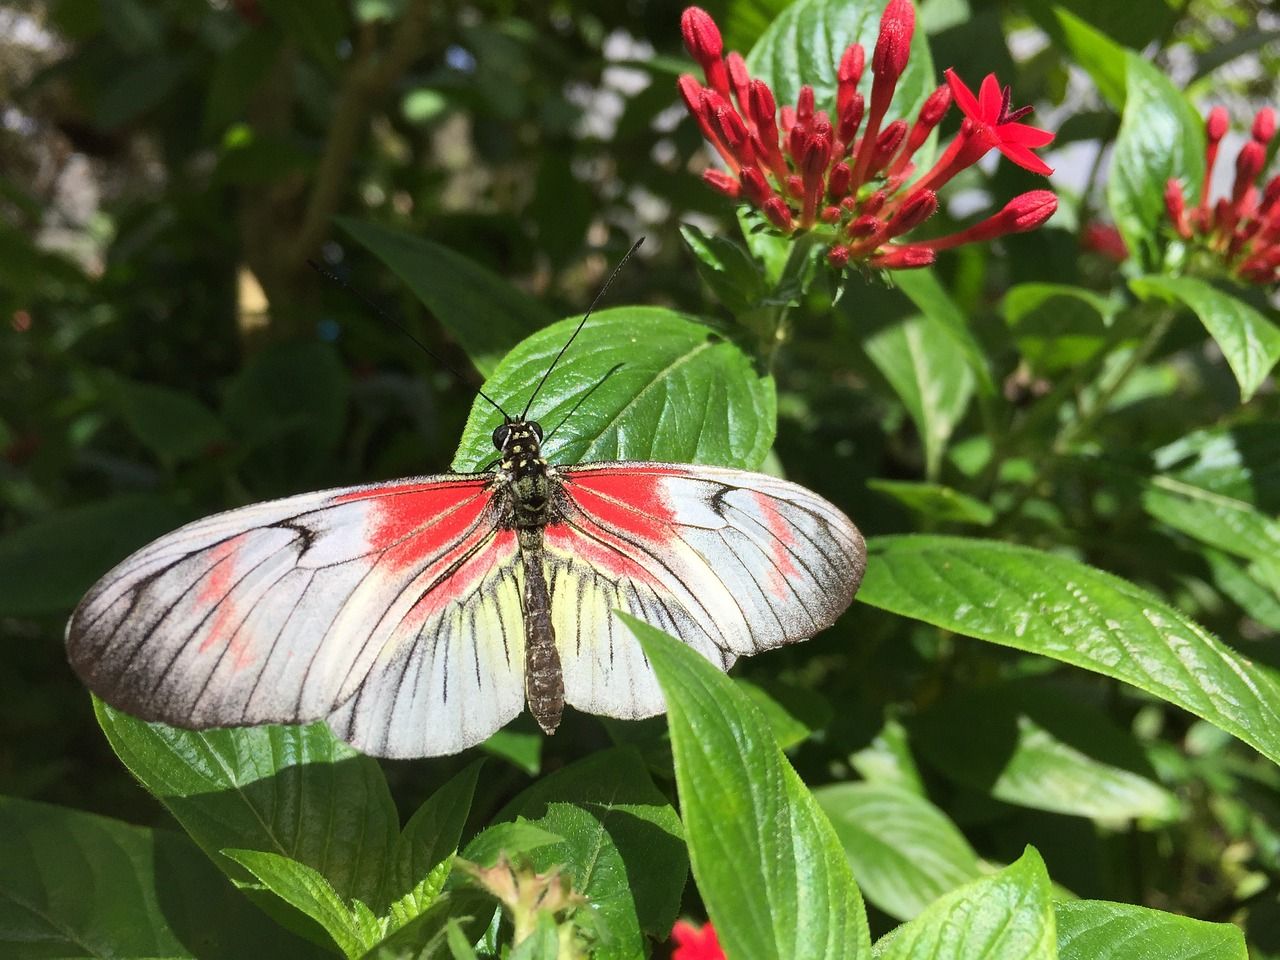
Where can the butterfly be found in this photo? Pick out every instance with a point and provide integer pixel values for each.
(419, 616)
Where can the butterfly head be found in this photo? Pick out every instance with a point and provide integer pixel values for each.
(521, 444)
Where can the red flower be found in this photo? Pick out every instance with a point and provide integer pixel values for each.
(994, 125)
(695, 944)
(1240, 232)
(847, 177)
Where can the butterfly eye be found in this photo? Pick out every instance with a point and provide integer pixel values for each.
(500, 435)
(536, 427)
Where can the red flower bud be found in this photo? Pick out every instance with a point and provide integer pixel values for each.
(874, 202)
(1264, 125)
(702, 40)
(893, 47)
(1024, 212)
(838, 182)
(787, 118)
(918, 208)
(735, 134)
(1249, 163)
(902, 258)
(804, 105)
(763, 108)
(865, 226)
(851, 119)
(935, 106)
(754, 186)
(830, 214)
(795, 186)
(838, 257)
(887, 145)
(740, 79)
(779, 214)
(847, 77)
(1215, 127)
(1176, 206)
(1106, 240)
(721, 181)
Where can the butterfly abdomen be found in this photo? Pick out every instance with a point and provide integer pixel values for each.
(543, 674)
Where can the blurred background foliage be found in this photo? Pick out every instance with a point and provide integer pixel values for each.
(167, 167)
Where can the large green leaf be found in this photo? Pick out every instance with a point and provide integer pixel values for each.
(74, 884)
(767, 862)
(1033, 745)
(1094, 50)
(622, 845)
(1056, 327)
(925, 290)
(298, 792)
(1008, 916)
(930, 377)
(804, 45)
(904, 851)
(1098, 930)
(47, 566)
(1249, 341)
(173, 425)
(1060, 608)
(1160, 138)
(484, 313)
(662, 387)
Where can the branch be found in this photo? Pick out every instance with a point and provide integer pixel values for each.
(366, 82)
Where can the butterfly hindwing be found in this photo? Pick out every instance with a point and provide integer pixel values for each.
(320, 606)
(730, 562)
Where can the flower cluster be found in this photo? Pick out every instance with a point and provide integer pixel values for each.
(1243, 230)
(851, 174)
(695, 944)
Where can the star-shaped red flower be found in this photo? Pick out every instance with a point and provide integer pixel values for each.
(695, 944)
(997, 126)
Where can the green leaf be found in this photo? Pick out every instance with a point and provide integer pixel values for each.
(1240, 461)
(78, 885)
(1133, 24)
(308, 891)
(936, 501)
(925, 290)
(904, 851)
(1098, 930)
(622, 846)
(1248, 586)
(1056, 327)
(735, 278)
(173, 425)
(1220, 521)
(794, 713)
(294, 791)
(1161, 137)
(1008, 916)
(522, 750)
(1101, 57)
(804, 45)
(1057, 607)
(514, 838)
(929, 376)
(423, 854)
(318, 26)
(663, 387)
(767, 862)
(47, 566)
(482, 311)
(542, 944)
(888, 759)
(1032, 745)
(288, 407)
(1249, 341)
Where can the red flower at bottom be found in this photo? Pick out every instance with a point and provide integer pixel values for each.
(695, 944)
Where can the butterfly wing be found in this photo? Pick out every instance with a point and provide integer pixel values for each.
(730, 562)
(391, 610)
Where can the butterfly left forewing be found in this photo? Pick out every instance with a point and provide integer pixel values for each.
(731, 562)
(289, 611)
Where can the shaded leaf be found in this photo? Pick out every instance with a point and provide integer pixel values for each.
(931, 298)
(733, 276)
(483, 312)
(1056, 327)
(78, 885)
(936, 501)
(767, 862)
(1249, 341)
(173, 425)
(904, 851)
(1057, 607)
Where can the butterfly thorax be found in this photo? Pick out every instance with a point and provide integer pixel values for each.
(525, 473)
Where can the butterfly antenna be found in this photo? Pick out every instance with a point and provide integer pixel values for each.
(383, 315)
(612, 370)
(621, 263)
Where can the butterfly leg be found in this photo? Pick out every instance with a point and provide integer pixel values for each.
(543, 677)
